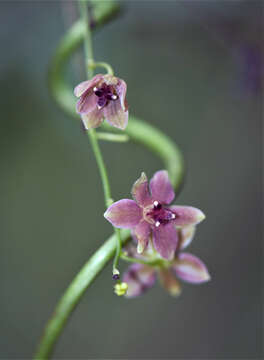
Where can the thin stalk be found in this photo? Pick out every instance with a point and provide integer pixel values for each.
(88, 46)
(102, 169)
(112, 137)
(155, 262)
(104, 65)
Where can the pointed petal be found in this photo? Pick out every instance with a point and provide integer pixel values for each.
(84, 86)
(86, 103)
(191, 269)
(187, 215)
(121, 89)
(139, 279)
(186, 235)
(165, 239)
(161, 188)
(115, 114)
(124, 214)
(142, 232)
(93, 119)
(140, 191)
(169, 282)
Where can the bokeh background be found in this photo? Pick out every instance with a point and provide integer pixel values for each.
(194, 70)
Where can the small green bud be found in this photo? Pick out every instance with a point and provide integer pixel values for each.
(120, 289)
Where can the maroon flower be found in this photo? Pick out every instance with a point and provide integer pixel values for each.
(148, 216)
(184, 266)
(102, 97)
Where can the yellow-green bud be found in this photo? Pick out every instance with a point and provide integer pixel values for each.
(121, 289)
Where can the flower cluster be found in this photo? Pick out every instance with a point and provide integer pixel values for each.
(183, 266)
(149, 216)
(161, 233)
(102, 97)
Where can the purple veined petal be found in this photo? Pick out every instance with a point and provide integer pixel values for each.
(139, 279)
(140, 191)
(142, 232)
(93, 119)
(124, 214)
(121, 89)
(115, 115)
(169, 282)
(187, 215)
(86, 103)
(191, 269)
(87, 85)
(186, 235)
(161, 188)
(165, 240)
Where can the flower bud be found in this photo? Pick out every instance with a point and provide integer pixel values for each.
(120, 289)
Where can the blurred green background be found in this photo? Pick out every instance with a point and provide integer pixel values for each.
(194, 70)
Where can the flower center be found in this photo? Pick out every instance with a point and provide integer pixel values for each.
(158, 215)
(105, 93)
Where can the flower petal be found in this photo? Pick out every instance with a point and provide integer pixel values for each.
(86, 103)
(140, 191)
(139, 279)
(84, 86)
(187, 215)
(186, 235)
(93, 119)
(169, 282)
(161, 188)
(165, 239)
(121, 89)
(191, 269)
(142, 232)
(115, 114)
(124, 214)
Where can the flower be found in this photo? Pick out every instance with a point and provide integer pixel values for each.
(149, 217)
(102, 97)
(185, 266)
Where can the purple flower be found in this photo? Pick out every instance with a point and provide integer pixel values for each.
(148, 216)
(102, 97)
(184, 266)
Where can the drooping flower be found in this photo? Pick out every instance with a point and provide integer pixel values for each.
(104, 96)
(184, 266)
(148, 215)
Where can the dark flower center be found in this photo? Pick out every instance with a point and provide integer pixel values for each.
(159, 215)
(105, 93)
(115, 277)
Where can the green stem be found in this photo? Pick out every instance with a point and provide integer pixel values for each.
(104, 65)
(118, 251)
(155, 262)
(88, 45)
(112, 137)
(102, 169)
(138, 131)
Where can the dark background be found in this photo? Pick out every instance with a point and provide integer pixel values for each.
(194, 70)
